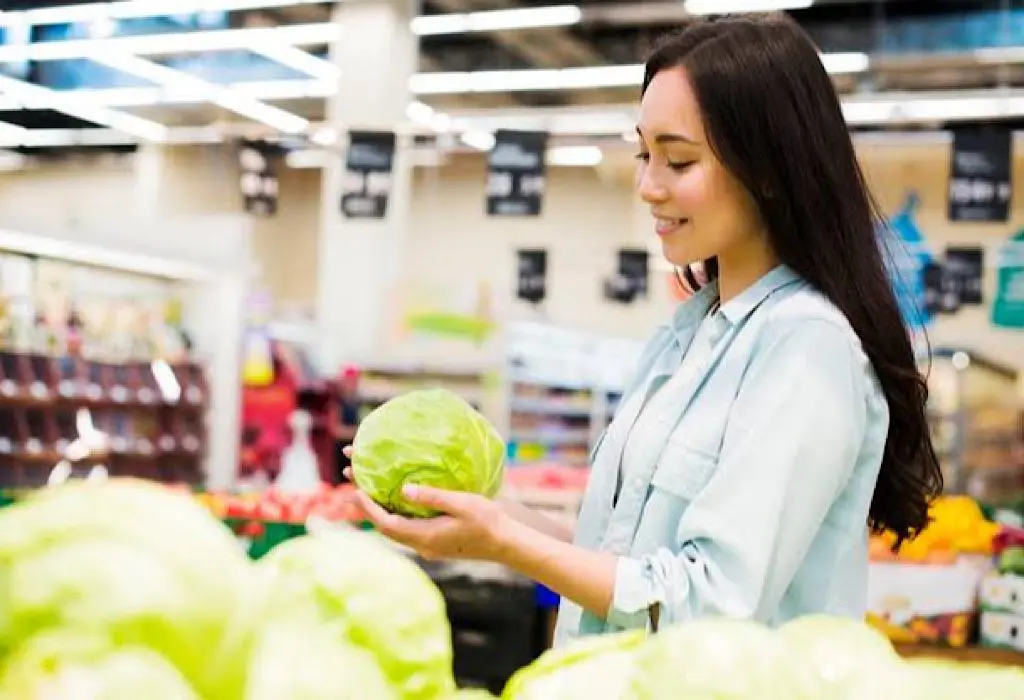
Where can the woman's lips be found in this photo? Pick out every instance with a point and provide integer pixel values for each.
(664, 226)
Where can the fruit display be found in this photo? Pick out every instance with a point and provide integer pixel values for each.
(124, 589)
(958, 527)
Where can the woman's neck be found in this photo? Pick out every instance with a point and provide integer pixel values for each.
(738, 270)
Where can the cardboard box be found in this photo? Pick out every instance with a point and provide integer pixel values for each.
(1002, 631)
(926, 603)
(1003, 593)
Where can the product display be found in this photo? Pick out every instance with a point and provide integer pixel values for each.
(174, 608)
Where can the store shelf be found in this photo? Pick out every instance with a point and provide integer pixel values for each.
(551, 407)
(1002, 657)
(540, 437)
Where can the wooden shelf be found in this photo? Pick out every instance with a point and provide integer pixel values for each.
(1001, 657)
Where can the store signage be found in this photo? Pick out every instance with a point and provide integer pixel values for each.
(980, 181)
(258, 180)
(630, 281)
(366, 185)
(968, 264)
(531, 283)
(516, 177)
(1008, 307)
(907, 255)
(942, 288)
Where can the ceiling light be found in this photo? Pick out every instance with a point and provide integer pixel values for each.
(298, 60)
(496, 20)
(125, 9)
(480, 140)
(574, 156)
(178, 42)
(227, 98)
(723, 7)
(52, 99)
(839, 63)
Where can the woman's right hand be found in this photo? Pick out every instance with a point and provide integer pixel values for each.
(514, 509)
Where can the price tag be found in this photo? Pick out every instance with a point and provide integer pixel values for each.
(8, 388)
(5, 446)
(66, 388)
(167, 443)
(190, 443)
(33, 446)
(119, 394)
(39, 390)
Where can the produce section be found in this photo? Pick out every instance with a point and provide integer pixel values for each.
(343, 614)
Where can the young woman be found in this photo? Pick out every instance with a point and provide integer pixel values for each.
(780, 414)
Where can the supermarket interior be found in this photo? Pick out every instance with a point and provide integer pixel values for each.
(231, 230)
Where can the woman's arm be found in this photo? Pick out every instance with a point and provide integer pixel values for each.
(537, 521)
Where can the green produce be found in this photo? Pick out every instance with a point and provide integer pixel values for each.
(721, 659)
(74, 666)
(296, 661)
(130, 560)
(596, 668)
(430, 437)
(370, 595)
(838, 647)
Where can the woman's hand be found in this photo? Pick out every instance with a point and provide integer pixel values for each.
(470, 527)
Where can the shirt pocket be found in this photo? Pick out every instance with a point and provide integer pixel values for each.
(683, 470)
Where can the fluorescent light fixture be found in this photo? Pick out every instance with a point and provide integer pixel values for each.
(298, 60)
(178, 42)
(839, 63)
(227, 98)
(723, 7)
(256, 89)
(125, 9)
(308, 158)
(574, 156)
(480, 140)
(530, 79)
(38, 96)
(496, 20)
(325, 137)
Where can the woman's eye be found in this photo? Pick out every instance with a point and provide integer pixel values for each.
(679, 167)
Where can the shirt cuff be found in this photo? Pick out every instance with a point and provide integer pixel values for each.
(633, 596)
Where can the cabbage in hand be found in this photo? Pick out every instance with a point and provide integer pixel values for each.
(429, 437)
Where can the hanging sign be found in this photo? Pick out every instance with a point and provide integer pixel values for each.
(516, 177)
(968, 264)
(980, 181)
(532, 272)
(258, 181)
(366, 185)
(942, 288)
(1008, 307)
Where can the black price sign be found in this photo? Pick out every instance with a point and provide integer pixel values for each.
(532, 275)
(366, 187)
(516, 173)
(969, 265)
(258, 181)
(980, 183)
(942, 288)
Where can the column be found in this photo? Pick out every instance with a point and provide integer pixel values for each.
(360, 259)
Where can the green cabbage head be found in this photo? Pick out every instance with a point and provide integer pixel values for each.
(430, 437)
(721, 659)
(370, 596)
(838, 647)
(596, 668)
(131, 560)
(301, 661)
(80, 666)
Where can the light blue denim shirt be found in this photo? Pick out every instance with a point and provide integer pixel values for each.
(749, 493)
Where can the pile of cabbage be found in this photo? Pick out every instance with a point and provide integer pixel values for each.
(125, 590)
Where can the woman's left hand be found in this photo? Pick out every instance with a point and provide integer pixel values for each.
(470, 526)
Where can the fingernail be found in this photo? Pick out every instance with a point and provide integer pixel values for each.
(410, 491)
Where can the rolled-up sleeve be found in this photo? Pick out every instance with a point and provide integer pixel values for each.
(791, 444)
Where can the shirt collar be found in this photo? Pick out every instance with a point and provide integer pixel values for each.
(693, 310)
(740, 306)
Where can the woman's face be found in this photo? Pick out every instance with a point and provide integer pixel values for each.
(700, 210)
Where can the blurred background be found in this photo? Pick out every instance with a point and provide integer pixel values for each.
(231, 228)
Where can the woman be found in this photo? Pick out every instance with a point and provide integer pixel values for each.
(780, 414)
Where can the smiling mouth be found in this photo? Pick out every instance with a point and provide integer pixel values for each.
(664, 227)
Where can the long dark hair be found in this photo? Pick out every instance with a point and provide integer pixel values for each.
(774, 121)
